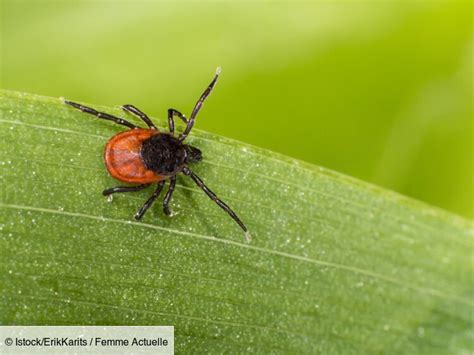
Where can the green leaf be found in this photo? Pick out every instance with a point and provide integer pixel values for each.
(335, 264)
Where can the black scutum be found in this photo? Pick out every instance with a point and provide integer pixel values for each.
(163, 154)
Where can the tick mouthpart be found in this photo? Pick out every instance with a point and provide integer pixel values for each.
(194, 155)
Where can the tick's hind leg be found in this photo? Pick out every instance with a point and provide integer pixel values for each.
(114, 190)
(150, 201)
(135, 111)
(168, 195)
(103, 115)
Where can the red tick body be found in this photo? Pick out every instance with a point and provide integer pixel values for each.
(123, 157)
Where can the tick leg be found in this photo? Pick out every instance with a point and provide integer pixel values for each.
(171, 113)
(114, 190)
(102, 115)
(135, 111)
(168, 195)
(198, 106)
(214, 198)
(150, 201)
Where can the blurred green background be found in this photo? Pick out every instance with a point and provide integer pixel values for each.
(379, 91)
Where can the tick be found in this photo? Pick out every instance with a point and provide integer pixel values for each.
(145, 156)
